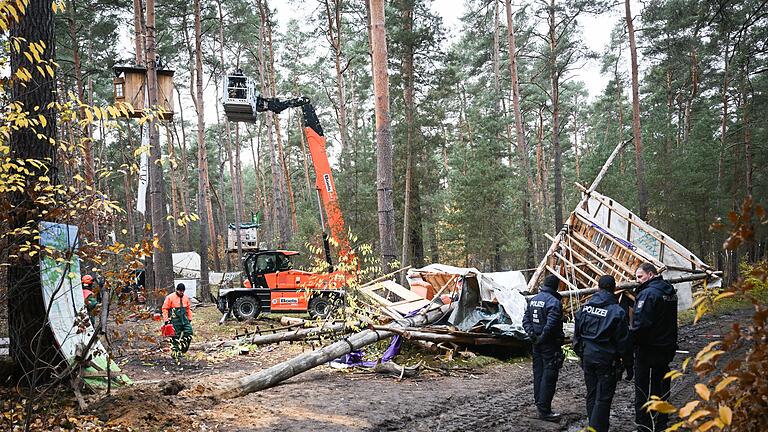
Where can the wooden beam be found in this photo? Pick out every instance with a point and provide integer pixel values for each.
(628, 285)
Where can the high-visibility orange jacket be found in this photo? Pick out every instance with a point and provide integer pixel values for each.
(174, 301)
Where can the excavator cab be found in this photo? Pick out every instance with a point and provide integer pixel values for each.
(239, 97)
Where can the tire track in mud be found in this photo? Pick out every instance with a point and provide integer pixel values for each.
(499, 400)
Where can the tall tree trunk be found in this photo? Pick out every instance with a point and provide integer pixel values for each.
(576, 154)
(31, 343)
(334, 37)
(642, 195)
(620, 109)
(554, 76)
(385, 202)
(745, 102)
(234, 181)
(281, 154)
(78, 69)
(162, 261)
(541, 167)
(406, 16)
(202, 159)
(174, 188)
(282, 220)
(138, 31)
(522, 146)
(185, 204)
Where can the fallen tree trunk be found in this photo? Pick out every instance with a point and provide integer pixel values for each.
(298, 334)
(304, 362)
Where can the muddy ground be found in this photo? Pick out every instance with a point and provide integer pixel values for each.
(458, 395)
(463, 397)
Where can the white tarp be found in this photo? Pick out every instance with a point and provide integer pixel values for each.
(187, 264)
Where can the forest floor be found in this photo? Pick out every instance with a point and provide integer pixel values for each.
(456, 395)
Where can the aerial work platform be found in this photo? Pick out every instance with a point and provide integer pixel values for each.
(239, 98)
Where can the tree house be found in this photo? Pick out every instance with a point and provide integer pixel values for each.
(129, 87)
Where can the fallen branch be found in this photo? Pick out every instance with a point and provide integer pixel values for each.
(306, 361)
(392, 368)
(464, 339)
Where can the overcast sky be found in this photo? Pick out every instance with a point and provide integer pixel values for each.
(596, 31)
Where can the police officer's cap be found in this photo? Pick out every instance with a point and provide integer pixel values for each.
(552, 282)
(607, 283)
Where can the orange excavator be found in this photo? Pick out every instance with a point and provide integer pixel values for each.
(272, 284)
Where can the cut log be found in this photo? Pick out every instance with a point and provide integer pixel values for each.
(306, 361)
(287, 320)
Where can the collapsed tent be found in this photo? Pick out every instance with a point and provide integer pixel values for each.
(489, 300)
(602, 237)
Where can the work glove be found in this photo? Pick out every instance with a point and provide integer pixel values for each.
(630, 373)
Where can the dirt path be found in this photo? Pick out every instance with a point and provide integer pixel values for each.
(494, 398)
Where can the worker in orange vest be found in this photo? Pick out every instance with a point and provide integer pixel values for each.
(88, 297)
(177, 310)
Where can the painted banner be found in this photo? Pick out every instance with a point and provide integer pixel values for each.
(63, 298)
(141, 197)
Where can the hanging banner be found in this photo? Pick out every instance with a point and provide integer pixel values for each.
(63, 298)
(141, 198)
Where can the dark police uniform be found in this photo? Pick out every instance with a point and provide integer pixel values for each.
(543, 321)
(654, 330)
(601, 340)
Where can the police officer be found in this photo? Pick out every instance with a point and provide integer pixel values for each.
(654, 331)
(543, 321)
(601, 340)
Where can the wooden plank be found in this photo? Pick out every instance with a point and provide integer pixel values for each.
(638, 256)
(616, 270)
(643, 256)
(575, 267)
(585, 244)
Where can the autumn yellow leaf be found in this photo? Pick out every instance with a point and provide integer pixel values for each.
(702, 391)
(685, 362)
(724, 295)
(712, 355)
(661, 406)
(688, 408)
(722, 384)
(726, 414)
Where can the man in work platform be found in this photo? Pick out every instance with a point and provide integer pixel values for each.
(177, 310)
(654, 331)
(543, 321)
(601, 340)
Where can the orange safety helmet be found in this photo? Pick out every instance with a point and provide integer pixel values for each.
(87, 280)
